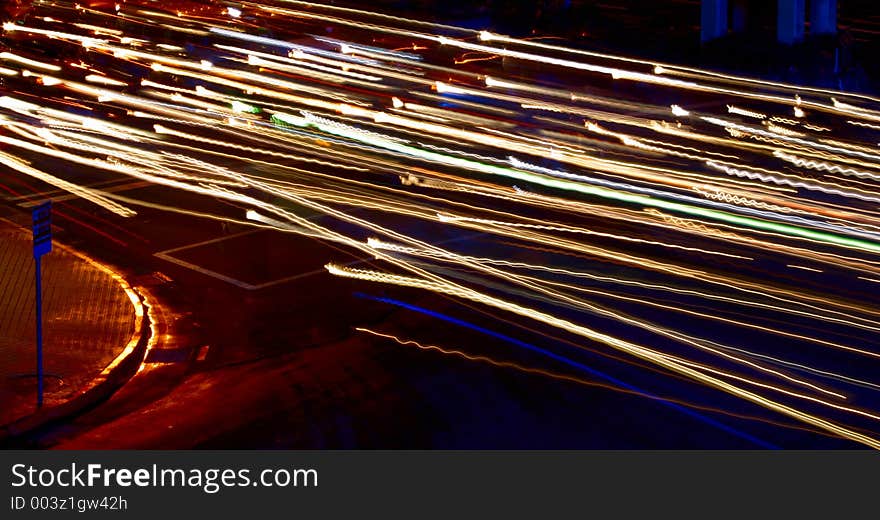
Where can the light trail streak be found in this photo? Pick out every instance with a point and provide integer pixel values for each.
(90, 195)
(450, 257)
(603, 192)
(630, 348)
(573, 363)
(555, 375)
(738, 285)
(569, 229)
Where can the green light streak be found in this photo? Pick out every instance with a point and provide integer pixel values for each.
(606, 193)
(238, 106)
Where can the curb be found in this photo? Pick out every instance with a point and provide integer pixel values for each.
(114, 375)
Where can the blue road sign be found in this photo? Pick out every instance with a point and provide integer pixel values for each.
(42, 216)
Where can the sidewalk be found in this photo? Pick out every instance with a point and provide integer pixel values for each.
(91, 319)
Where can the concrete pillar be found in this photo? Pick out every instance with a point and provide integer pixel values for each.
(823, 16)
(790, 21)
(713, 19)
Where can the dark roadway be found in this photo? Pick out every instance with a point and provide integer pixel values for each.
(284, 368)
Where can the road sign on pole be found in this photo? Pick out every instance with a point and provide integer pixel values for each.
(42, 218)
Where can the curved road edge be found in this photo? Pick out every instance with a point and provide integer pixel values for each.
(118, 372)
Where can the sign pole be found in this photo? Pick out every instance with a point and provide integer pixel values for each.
(39, 333)
(42, 220)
